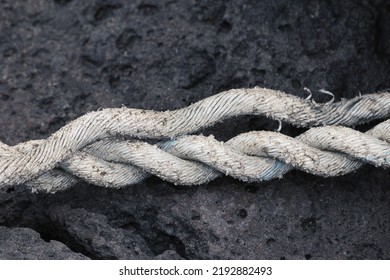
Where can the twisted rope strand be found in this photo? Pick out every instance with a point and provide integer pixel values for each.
(17, 168)
(236, 157)
(21, 167)
(253, 156)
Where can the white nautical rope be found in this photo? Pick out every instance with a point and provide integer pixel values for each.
(190, 160)
(90, 147)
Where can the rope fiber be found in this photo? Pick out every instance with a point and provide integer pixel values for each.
(100, 148)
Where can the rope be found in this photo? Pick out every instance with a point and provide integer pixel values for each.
(90, 147)
(191, 160)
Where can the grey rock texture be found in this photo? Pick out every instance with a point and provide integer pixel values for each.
(60, 59)
(25, 243)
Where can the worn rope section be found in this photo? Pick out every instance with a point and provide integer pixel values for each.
(18, 168)
(190, 160)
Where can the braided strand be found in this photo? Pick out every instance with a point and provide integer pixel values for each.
(35, 161)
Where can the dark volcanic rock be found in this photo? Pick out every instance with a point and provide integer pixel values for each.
(97, 236)
(61, 59)
(24, 243)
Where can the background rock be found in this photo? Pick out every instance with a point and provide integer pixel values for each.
(61, 59)
(24, 243)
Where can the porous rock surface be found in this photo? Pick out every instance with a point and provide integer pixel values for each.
(25, 243)
(61, 58)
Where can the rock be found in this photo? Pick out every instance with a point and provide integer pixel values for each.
(93, 232)
(169, 255)
(61, 59)
(26, 244)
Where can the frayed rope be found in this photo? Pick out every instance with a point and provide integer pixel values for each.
(92, 147)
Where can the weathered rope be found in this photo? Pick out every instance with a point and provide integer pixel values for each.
(190, 160)
(86, 146)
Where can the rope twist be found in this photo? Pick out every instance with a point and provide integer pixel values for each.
(100, 147)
